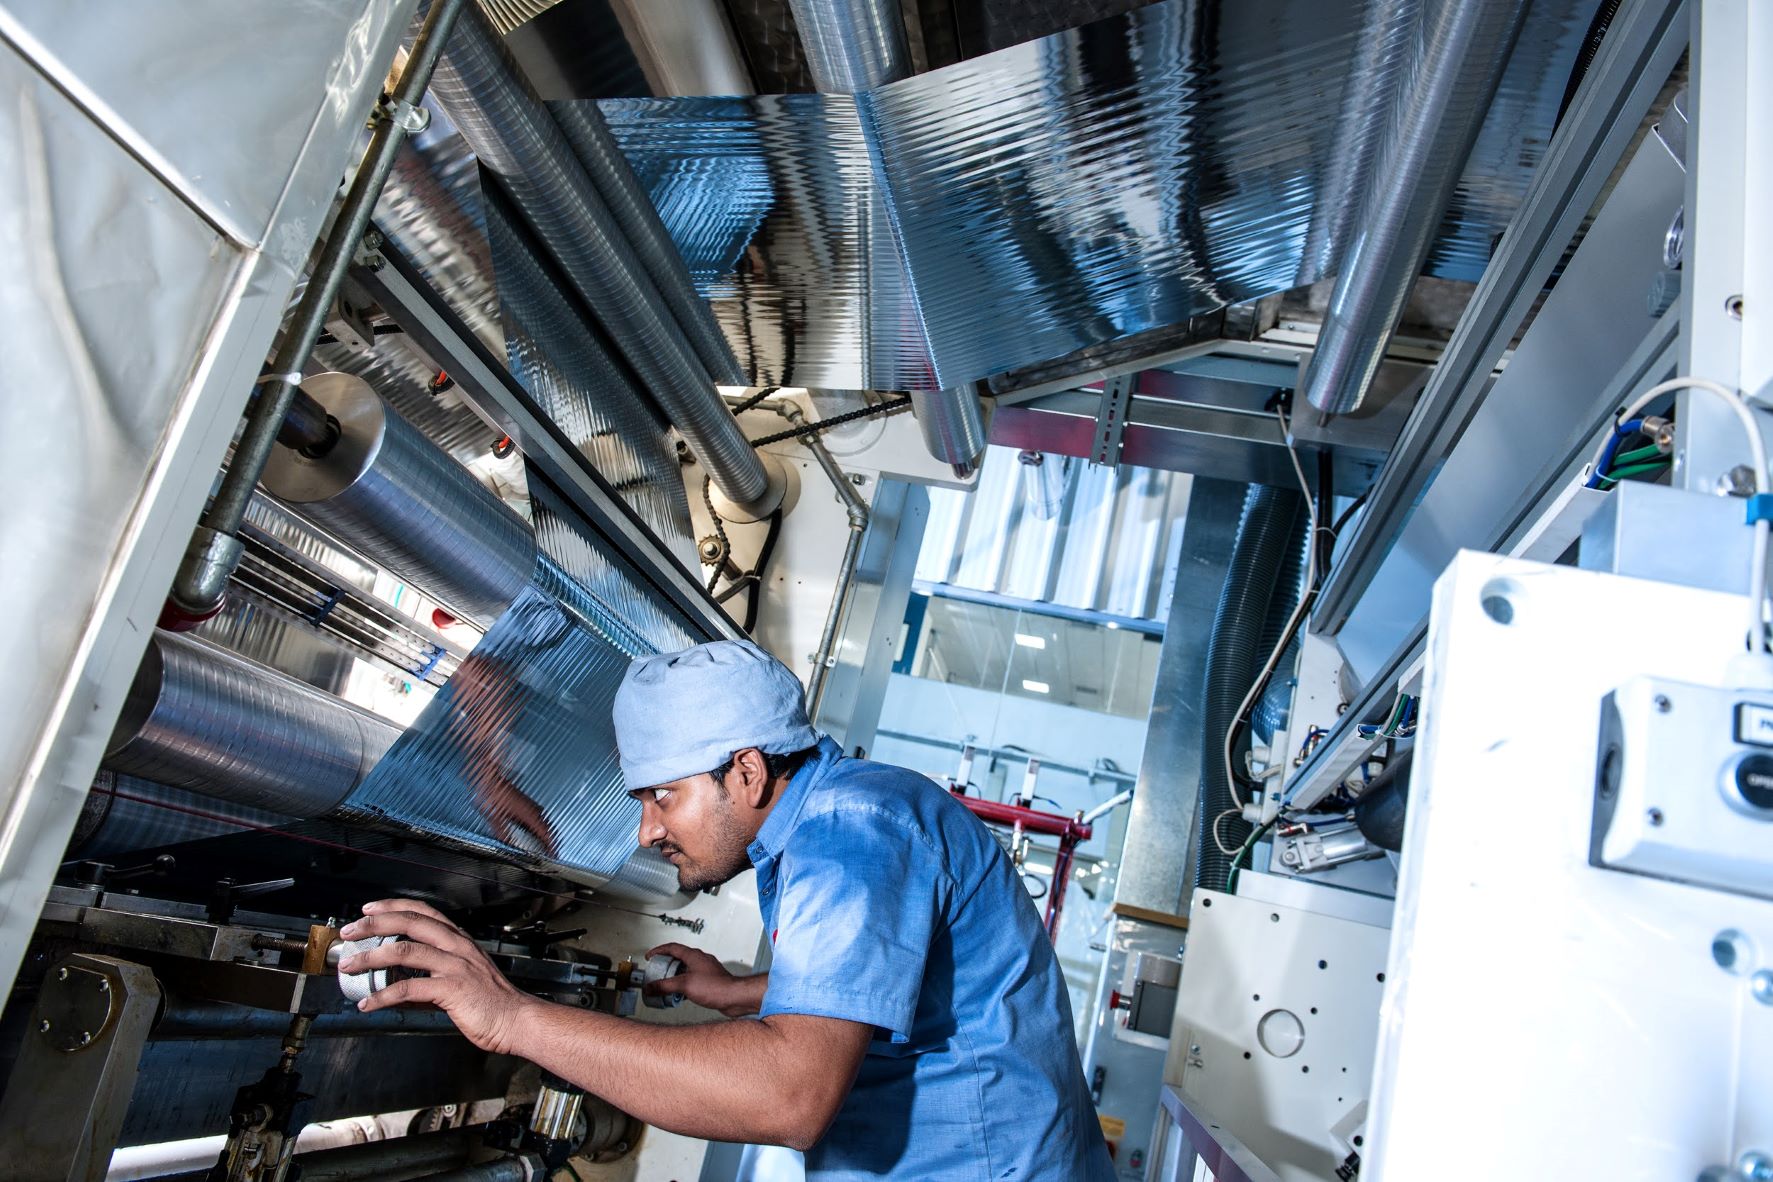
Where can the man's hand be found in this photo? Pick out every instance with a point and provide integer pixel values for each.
(462, 981)
(706, 982)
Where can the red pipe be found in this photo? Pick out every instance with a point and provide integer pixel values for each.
(1033, 820)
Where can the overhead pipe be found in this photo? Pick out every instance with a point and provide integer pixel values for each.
(494, 107)
(215, 548)
(1463, 47)
(638, 218)
(857, 45)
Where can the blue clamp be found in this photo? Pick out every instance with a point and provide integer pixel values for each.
(331, 601)
(437, 652)
(1760, 508)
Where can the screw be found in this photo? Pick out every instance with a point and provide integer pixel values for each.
(85, 1037)
(1194, 1049)
(1755, 1166)
(43, 1026)
(104, 984)
(1733, 309)
(1761, 985)
(1737, 482)
(1662, 704)
(858, 479)
(61, 974)
(1654, 816)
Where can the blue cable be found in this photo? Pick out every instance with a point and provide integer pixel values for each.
(1620, 434)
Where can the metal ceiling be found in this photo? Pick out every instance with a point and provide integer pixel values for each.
(1054, 196)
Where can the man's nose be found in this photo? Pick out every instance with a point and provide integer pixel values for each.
(652, 825)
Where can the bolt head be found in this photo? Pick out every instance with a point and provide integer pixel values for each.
(85, 1037)
(43, 1026)
(1654, 816)
(1662, 704)
(1761, 985)
(61, 974)
(1733, 309)
(1755, 1166)
(104, 985)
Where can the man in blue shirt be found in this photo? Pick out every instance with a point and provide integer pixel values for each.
(914, 1023)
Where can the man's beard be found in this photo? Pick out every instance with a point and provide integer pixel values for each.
(730, 858)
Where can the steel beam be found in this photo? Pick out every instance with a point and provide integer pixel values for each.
(496, 394)
(1641, 48)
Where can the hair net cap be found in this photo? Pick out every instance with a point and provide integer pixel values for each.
(683, 713)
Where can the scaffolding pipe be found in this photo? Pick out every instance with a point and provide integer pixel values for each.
(215, 550)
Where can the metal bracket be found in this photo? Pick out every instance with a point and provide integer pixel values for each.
(1111, 419)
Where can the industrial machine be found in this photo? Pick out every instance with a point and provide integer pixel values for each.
(394, 372)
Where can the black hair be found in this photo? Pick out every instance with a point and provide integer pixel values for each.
(777, 764)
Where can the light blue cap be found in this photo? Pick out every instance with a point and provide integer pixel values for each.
(683, 713)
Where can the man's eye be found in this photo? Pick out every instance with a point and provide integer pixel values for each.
(661, 795)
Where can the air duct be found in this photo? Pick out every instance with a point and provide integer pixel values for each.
(1461, 52)
(386, 490)
(493, 106)
(852, 45)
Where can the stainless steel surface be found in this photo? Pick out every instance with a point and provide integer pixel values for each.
(633, 211)
(198, 589)
(852, 45)
(1452, 75)
(203, 719)
(390, 493)
(77, 1068)
(1642, 46)
(296, 80)
(1067, 193)
(953, 425)
(1202, 1136)
(1538, 422)
(1156, 869)
(515, 137)
(1621, 537)
(617, 536)
(123, 283)
(556, 1111)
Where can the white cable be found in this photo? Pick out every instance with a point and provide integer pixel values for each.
(1292, 621)
(1219, 841)
(1757, 448)
(1106, 807)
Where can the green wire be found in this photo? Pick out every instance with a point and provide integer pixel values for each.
(1618, 474)
(1248, 845)
(1639, 455)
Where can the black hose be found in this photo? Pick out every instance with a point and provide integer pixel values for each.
(1269, 713)
(1380, 812)
(1234, 655)
(1591, 48)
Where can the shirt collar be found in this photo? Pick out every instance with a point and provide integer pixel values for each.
(786, 815)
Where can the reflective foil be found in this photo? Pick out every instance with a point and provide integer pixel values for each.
(1060, 194)
(516, 756)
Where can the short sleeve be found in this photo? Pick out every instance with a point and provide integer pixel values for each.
(861, 894)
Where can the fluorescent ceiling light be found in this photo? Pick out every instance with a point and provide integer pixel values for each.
(1027, 641)
(1036, 687)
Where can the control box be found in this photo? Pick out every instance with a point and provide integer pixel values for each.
(1684, 785)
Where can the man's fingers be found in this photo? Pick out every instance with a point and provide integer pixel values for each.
(406, 953)
(680, 951)
(664, 988)
(439, 933)
(405, 905)
(412, 991)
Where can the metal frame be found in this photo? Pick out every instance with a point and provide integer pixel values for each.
(1643, 44)
(422, 314)
(1203, 1138)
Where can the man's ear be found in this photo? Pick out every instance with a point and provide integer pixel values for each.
(752, 772)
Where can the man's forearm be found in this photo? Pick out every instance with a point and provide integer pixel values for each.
(750, 993)
(724, 1081)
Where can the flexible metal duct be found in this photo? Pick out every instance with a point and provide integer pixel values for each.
(852, 45)
(953, 425)
(1257, 556)
(633, 210)
(1269, 714)
(1463, 48)
(498, 113)
(395, 496)
(646, 878)
(201, 718)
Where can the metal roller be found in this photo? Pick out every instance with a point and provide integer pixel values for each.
(852, 45)
(953, 425)
(394, 495)
(201, 718)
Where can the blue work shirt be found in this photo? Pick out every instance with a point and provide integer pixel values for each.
(890, 904)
